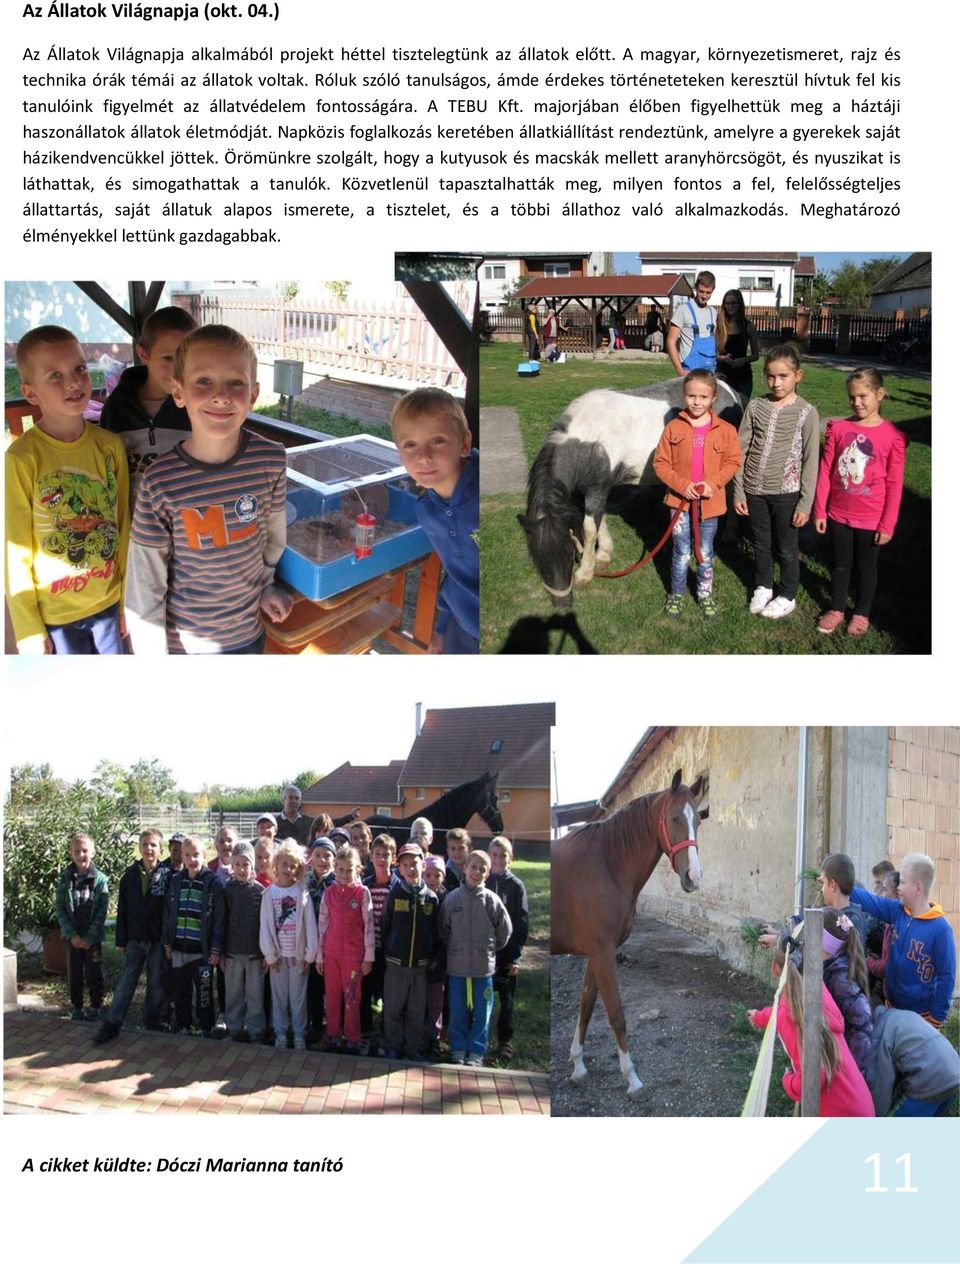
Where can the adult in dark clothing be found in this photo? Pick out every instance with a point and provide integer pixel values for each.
(291, 822)
(738, 345)
(514, 896)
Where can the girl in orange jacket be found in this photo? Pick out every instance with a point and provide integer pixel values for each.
(698, 454)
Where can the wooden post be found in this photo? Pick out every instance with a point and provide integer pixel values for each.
(812, 1010)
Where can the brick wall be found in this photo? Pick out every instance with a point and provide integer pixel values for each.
(367, 404)
(923, 806)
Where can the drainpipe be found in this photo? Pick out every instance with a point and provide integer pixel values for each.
(801, 817)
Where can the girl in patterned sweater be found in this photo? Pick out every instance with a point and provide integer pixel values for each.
(774, 487)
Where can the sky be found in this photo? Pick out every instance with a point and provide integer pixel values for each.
(232, 723)
(625, 261)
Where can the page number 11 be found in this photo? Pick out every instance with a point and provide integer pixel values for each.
(876, 1188)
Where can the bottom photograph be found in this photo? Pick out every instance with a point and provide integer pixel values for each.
(346, 915)
(758, 921)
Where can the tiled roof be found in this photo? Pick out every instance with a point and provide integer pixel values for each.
(604, 287)
(914, 273)
(358, 783)
(455, 745)
(806, 266)
(726, 256)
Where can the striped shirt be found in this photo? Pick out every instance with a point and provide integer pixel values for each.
(212, 520)
(378, 895)
(187, 937)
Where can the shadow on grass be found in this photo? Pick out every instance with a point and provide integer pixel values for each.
(531, 635)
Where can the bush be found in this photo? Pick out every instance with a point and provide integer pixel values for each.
(40, 817)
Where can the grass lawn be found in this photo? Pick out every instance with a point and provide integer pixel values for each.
(625, 616)
(320, 419)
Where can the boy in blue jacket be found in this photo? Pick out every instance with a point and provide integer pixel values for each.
(432, 435)
(922, 965)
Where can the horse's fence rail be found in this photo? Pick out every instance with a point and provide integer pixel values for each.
(392, 340)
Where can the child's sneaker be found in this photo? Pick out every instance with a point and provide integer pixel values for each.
(859, 625)
(505, 1052)
(300, 1044)
(708, 606)
(107, 1032)
(760, 599)
(94, 1014)
(458, 1056)
(779, 608)
(77, 1015)
(474, 1060)
(830, 621)
(674, 605)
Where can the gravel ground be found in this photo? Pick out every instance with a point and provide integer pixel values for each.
(677, 995)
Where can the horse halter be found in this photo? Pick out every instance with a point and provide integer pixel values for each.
(663, 838)
(557, 592)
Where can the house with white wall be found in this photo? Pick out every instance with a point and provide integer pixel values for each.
(759, 276)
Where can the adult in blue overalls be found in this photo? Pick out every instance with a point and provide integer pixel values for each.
(691, 339)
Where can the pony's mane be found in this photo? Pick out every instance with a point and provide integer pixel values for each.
(617, 833)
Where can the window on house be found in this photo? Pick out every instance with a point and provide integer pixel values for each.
(421, 792)
(496, 746)
(503, 796)
(495, 272)
(383, 811)
(556, 269)
(758, 282)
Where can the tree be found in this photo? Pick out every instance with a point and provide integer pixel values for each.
(40, 817)
(851, 283)
(813, 290)
(305, 779)
(339, 289)
(109, 778)
(148, 781)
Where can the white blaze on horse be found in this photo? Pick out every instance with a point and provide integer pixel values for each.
(604, 439)
(853, 460)
(596, 874)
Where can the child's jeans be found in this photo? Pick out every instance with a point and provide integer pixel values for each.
(505, 986)
(288, 992)
(853, 549)
(457, 641)
(434, 1023)
(683, 551)
(371, 989)
(404, 1007)
(771, 517)
(85, 963)
(138, 955)
(243, 978)
(473, 997)
(193, 981)
(342, 987)
(314, 1002)
(97, 634)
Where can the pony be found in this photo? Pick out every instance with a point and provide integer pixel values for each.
(596, 874)
(450, 811)
(603, 439)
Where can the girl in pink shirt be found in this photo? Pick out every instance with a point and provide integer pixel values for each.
(858, 493)
(346, 948)
(843, 1090)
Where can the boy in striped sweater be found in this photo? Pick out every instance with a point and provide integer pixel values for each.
(193, 928)
(210, 519)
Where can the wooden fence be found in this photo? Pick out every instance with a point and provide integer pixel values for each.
(826, 329)
(394, 340)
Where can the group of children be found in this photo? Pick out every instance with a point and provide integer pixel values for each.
(278, 942)
(162, 525)
(882, 1045)
(779, 479)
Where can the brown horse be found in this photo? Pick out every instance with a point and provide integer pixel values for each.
(596, 874)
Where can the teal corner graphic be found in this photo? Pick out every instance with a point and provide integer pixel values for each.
(864, 1191)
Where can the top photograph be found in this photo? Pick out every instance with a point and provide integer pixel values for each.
(706, 452)
(241, 467)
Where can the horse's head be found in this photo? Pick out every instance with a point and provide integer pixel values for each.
(489, 809)
(679, 820)
(555, 541)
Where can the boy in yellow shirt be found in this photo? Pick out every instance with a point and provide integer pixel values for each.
(67, 509)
